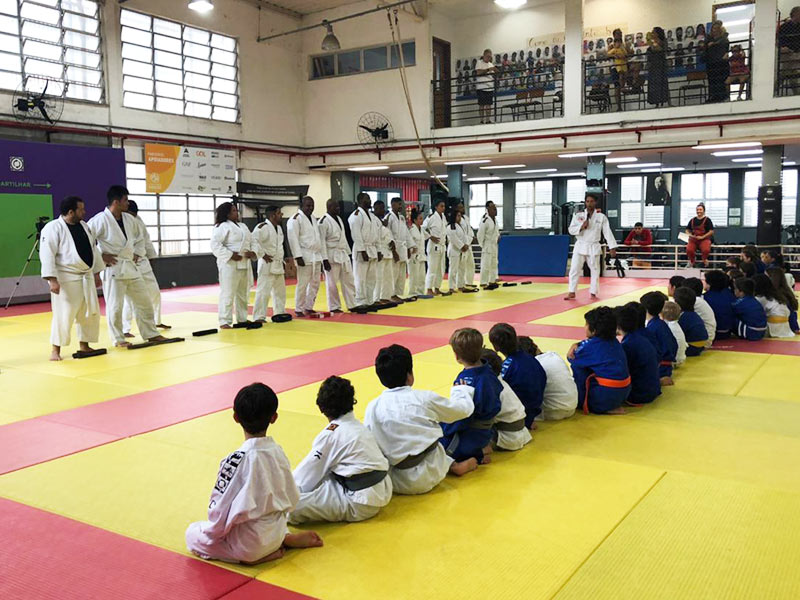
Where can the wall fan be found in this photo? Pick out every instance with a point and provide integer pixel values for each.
(374, 131)
(39, 99)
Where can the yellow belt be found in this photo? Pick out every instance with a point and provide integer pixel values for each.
(701, 344)
(777, 319)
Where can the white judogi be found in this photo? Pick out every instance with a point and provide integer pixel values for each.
(777, 318)
(588, 248)
(384, 274)
(331, 230)
(406, 422)
(468, 258)
(705, 312)
(268, 241)
(364, 231)
(488, 237)
(435, 226)
(416, 262)
(305, 243)
(344, 448)
(511, 411)
(122, 279)
(234, 276)
(680, 337)
(402, 241)
(144, 249)
(455, 241)
(560, 393)
(77, 299)
(250, 505)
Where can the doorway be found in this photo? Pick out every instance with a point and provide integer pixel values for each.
(441, 83)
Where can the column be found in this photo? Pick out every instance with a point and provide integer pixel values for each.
(455, 179)
(762, 64)
(573, 67)
(770, 208)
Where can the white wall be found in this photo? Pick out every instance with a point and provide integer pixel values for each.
(639, 16)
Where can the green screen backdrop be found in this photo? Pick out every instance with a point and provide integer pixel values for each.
(20, 212)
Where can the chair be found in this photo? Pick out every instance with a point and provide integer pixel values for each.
(536, 102)
(694, 88)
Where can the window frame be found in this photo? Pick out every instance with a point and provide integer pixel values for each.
(705, 199)
(533, 206)
(480, 206)
(644, 218)
(746, 200)
(334, 56)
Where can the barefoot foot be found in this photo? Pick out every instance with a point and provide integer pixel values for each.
(128, 335)
(486, 459)
(272, 556)
(616, 411)
(55, 355)
(304, 539)
(158, 338)
(570, 296)
(667, 381)
(122, 344)
(225, 327)
(464, 467)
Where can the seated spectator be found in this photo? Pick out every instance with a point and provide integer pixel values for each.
(789, 46)
(740, 72)
(640, 240)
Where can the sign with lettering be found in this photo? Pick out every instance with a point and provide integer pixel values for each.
(189, 170)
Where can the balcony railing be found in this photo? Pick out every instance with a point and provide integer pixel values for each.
(787, 63)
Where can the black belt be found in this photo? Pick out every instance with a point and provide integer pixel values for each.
(361, 481)
(513, 426)
(412, 461)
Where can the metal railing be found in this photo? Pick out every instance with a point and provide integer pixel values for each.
(787, 61)
(673, 77)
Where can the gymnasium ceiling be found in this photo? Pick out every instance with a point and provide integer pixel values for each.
(306, 7)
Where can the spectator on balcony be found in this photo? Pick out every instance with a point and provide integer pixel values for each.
(700, 230)
(484, 84)
(619, 53)
(657, 83)
(740, 72)
(789, 45)
(639, 240)
(717, 66)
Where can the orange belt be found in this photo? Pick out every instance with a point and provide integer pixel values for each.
(604, 382)
(777, 319)
(700, 344)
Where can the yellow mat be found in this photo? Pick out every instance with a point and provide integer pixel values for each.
(698, 537)
(775, 379)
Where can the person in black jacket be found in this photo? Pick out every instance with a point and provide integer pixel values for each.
(717, 66)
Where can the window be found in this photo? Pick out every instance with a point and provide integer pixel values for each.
(54, 43)
(752, 181)
(173, 68)
(362, 60)
(709, 188)
(479, 195)
(633, 192)
(576, 190)
(177, 223)
(533, 205)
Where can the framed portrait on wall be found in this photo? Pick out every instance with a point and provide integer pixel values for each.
(659, 190)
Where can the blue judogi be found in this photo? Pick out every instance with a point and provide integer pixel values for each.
(600, 369)
(466, 438)
(642, 366)
(721, 303)
(793, 321)
(751, 320)
(526, 376)
(665, 343)
(695, 332)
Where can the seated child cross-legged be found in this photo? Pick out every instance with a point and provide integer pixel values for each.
(521, 371)
(785, 294)
(472, 437)
(671, 313)
(345, 476)
(693, 327)
(751, 320)
(640, 352)
(560, 392)
(703, 309)
(720, 297)
(406, 424)
(660, 335)
(599, 365)
(509, 424)
(254, 493)
(777, 311)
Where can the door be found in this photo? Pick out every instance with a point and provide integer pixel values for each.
(441, 83)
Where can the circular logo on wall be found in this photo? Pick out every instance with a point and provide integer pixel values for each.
(17, 163)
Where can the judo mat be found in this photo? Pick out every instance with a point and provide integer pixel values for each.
(105, 461)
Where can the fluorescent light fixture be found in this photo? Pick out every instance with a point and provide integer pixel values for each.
(621, 159)
(201, 6)
(754, 165)
(439, 176)
(503, 167)
(510, 4)
(730, 9)
(468, 162)
(640, 166)
(666, 170)
(583, 154)
(747, 160)
(538, 171)
(753, 152)
(576, 174)
(737, 23)
(368, 169)
(789, 163)
(417, 172)
(728, 145)
(493, 178)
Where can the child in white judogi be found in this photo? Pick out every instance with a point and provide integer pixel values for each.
(416, 258)
(468, 258)
(509, 424)
(671, 313)
(254, 492)
(268, 246)
(560, 392)
(344, 477)
(405, 422)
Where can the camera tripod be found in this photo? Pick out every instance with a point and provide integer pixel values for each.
(34, 249)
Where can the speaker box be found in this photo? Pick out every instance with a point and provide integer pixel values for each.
(770, 199)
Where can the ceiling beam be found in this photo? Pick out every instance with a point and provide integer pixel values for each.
(274, 8)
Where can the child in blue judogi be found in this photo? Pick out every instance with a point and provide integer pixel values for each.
(751, 320)
(640, 352)
(472, 437)
(660, 335)
(720, 297)
(693, 327)
(599, 365)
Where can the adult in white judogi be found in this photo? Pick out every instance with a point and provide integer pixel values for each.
(309, 254)
(144, 249)
(364, 229)
(250, 505)
(268, 246)
(488, 237)
(344, 477)
(232, 244)
(435, 229)
(331, 229)
(468, 258)
(396, 220)
(456, 244)
(560, 392)
(416, 255)
(588, 226)
(384, 276)
(71, 265)
(115, 231)
(406, 424)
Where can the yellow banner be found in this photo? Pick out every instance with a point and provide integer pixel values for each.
(160, 162)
